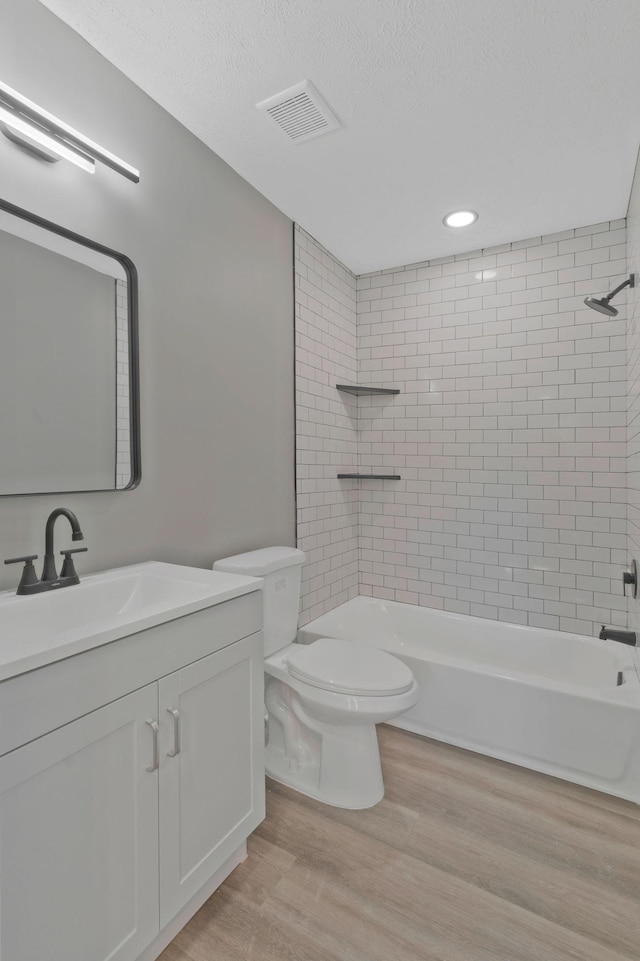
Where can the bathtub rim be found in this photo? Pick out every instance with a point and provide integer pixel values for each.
(628, 658)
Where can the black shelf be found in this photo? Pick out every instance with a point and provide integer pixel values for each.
(369, 477)
(351, 389)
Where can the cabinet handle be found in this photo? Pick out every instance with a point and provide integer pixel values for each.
(156, 755)
(175, 714)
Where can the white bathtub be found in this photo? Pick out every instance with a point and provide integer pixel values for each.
(548, 700)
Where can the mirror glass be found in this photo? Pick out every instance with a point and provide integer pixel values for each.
(68, 361)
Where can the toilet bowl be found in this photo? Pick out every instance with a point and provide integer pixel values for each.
(322, 722)
(323, 699)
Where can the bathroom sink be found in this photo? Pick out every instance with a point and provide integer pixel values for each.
(36, 630)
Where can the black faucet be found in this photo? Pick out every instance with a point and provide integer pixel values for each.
(29, 583)
(49, 572)
(610, 634)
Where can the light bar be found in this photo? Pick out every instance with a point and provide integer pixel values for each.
(22, 110)
(32, 137)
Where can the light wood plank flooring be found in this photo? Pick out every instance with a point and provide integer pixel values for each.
(466, 859)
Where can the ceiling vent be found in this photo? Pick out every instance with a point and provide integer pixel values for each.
(300, 112)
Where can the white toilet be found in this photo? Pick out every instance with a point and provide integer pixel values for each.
(323, 699)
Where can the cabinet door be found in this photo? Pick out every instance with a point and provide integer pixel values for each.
(79, 839)
(212, 781)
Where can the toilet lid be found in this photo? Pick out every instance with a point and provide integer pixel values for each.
(348, 667)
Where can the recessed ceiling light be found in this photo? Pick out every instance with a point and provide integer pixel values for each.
(460, 218)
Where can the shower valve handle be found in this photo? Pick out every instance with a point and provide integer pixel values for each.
(631, 577)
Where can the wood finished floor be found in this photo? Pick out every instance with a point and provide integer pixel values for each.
(466, 859)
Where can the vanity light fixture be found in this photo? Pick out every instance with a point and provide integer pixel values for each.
(460, 218)
(49, 137)
(36, 140)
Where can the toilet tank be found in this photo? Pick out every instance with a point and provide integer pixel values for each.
(281, 569)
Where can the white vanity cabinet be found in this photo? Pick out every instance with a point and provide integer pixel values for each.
(212, 769)
(116, 825)
(79, 839)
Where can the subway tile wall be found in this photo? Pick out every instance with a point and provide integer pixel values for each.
(509, 433)
(326, 427)
(633, 386)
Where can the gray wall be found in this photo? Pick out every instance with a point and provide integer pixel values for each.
(216, 315)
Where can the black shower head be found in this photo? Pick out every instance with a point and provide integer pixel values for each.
(602, 305)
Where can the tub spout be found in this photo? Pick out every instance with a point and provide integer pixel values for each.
(624, 637)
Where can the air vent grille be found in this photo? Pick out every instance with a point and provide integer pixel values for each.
(300, 112)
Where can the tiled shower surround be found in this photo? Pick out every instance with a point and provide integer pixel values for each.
(633, 386)
(509, 432)
(326, 427)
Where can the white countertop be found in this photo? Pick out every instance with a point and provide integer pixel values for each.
(36, 630)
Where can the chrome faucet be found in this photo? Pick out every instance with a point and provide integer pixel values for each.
(49, 572)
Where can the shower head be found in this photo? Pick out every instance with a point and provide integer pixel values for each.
(602, 305)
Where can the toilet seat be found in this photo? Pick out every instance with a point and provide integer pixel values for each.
(347, 667)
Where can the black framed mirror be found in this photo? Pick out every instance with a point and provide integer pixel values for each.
(69, 356)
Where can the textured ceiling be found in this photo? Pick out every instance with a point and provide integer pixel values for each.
(528, 111)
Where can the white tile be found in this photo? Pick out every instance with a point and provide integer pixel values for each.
(510, 423)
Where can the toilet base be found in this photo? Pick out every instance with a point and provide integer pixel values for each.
(336, 763)
(306, 780)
